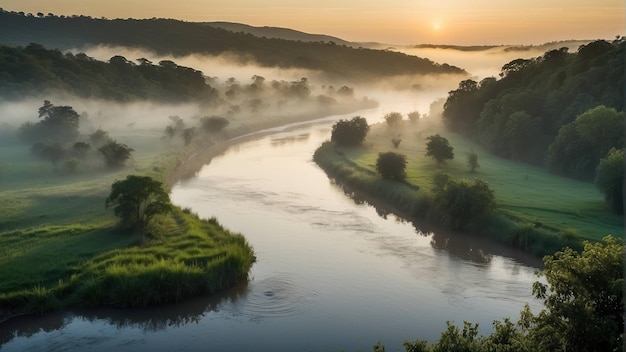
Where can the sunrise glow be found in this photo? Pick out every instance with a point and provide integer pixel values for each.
(394, 21)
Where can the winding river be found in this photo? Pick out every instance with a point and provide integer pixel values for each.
(331, 273)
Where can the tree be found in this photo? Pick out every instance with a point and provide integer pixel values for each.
(579, 145)
(583, 299)
(610, 179)
(414, 116)
(439, 149)
(52, 151)
(391, 166)
(59, 122)
(393, 119)
(115, 154)
(350, 132)
(458, 202)
(472, 160)
(137, 199)
(99, 138)
(214, 124)
(188, 134)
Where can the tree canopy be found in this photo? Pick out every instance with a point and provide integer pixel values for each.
(439, 148)
(350, 132)
(137, 199)
(391, 166)
(610, 179)
(527, 113)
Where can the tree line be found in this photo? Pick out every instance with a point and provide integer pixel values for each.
(561, 110)
(34, 69)
(173, 37)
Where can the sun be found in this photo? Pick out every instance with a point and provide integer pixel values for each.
(437, 26)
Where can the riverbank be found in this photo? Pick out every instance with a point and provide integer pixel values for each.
(537, 211)
(60, 248)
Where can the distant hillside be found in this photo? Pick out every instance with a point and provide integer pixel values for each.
(166, 36)
(277, 33)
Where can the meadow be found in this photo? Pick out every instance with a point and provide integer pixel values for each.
(530, 201)
(60, 247)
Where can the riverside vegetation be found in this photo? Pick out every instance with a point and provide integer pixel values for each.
(537, 211)
(59, 246)
(546, 214)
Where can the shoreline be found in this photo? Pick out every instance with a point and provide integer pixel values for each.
(184, 162)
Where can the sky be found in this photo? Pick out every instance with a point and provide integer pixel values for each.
(459, 22)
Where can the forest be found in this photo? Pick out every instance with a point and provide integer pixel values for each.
(168, 36)
(561, 110)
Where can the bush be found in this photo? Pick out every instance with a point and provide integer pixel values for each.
(458, 202)
(115, 154)
(391, 166)
(393, 119)
(350, 132)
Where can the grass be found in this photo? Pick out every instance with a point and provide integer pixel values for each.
(60, 247)
(559, 209)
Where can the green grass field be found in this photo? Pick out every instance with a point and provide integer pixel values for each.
(54, 228)
(524, 191)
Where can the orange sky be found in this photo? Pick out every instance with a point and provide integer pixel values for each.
(465, 22)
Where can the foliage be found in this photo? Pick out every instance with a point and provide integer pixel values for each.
(214, 124)
(188, 134)
(530, 107)
(584, 306)
(178, 38)
(137, 199)
(42, 71)
(99, 138)
(391, 166)
(115, 154)
(458, 202)
(472, 160)
(393, 119)
(583, 298)
(578, 147)
(56, 123)
(414, 116)
(610, 179)
(396, 142)
(439, 148)
(350, 132)
(52, 151)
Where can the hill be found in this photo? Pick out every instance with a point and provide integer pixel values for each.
(173, 37)
(277, 33)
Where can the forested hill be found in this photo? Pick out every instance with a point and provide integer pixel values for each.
(166, 36)
(277, 32)
(562, 110)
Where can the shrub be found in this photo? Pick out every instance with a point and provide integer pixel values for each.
(458, 202)
(350, 132)
(391, 166)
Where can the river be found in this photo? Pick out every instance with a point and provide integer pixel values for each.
(331, 274)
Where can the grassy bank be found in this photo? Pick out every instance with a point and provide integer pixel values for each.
(59, 247)
(537, 211)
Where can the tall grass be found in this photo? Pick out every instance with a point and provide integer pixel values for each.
(193, 257)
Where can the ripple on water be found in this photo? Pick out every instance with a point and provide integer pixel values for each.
(279, 296)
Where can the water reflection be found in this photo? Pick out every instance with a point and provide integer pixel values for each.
(147, 320)
(459, 244)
